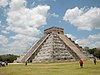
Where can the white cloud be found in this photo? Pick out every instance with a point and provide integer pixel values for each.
(28, 17)
(3, 40)
(54, 15)
(21, 41)
(23, 23)
(84, 19)
(4, 3)
(26, 21)
(92, 41)
(71, 36)
(17, 4)
(20, 44)
(4, 31)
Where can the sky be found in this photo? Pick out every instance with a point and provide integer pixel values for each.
(22, 22)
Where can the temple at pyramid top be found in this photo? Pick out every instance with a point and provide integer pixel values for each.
(54, 30)
(53, 46)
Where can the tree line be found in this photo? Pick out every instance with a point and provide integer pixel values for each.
(8, 58)
(94, 51)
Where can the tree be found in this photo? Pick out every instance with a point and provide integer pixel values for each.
(94, 51)
(9, 58)
(97, 53)
(0, 58)
(91, 51)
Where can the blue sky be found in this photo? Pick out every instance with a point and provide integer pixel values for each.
(22, 22)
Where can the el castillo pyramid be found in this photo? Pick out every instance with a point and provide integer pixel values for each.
(53, 46)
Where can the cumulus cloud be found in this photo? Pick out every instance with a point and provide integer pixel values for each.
(4, 3)
(71, 36)
(4, 31)
(21, 42)
(24, 23)
(54, 15)
(84, 19)
(3, 40)
(18, 46)
(92, 41)
(17, 4)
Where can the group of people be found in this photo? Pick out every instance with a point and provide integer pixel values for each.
(81, 62)
(2, 64)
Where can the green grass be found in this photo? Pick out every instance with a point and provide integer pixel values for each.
(62, 68)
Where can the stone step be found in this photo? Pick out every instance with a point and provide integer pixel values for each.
(72, 46)
(28, 54)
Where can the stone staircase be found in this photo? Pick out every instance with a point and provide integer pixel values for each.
(72, 46)
(30, 52)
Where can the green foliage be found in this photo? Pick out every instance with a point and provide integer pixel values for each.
(9, 58)
(97, 53)
(91, 51)
(0, 58)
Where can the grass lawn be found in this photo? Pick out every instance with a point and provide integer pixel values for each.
(61, 68)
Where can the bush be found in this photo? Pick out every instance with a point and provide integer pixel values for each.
(97, 53)
(9, 58)
(91, 51)
(94, 51)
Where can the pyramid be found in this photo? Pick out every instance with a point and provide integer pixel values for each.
(53, 46)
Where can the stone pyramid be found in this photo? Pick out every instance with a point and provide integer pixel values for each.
(53, 46)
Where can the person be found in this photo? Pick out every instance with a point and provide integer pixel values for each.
(6, 63)
(25, 63)
(95, 60)
(3, 64)
(81, 63)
